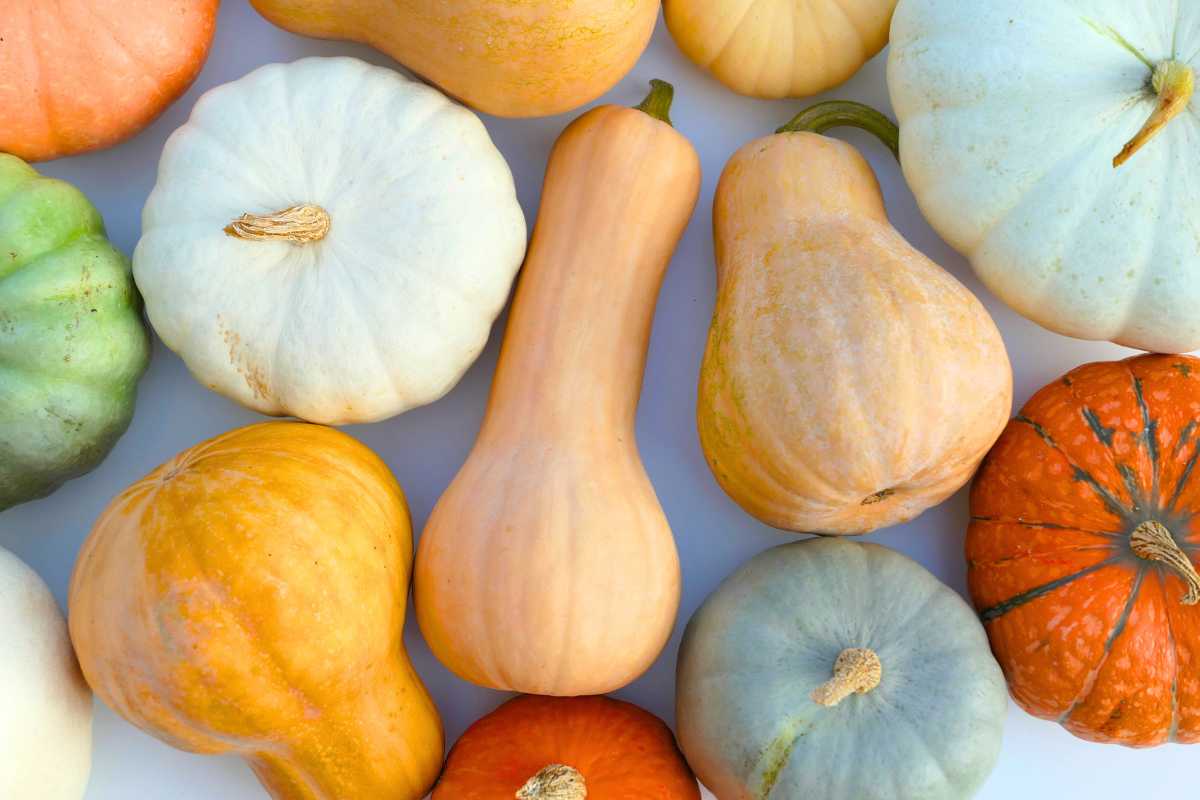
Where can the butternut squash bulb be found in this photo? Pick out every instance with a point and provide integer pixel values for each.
(329, 240)
(526, 59)
(81, 75)
(548, 566)
(248, 596)
(780, 48)
(849, 383)
(45, 706)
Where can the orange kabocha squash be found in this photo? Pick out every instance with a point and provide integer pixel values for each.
(567, 748)
(80, 75)
(849, 382)
(1083, 547)
(512, 59)
(248, 596)
(548, 565)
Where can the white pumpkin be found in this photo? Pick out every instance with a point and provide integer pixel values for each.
(45, 706)
(380, 239)
(1012, 116)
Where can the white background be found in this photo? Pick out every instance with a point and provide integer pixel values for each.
(426, 446)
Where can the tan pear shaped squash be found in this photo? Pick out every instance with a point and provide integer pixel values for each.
(849, 382)
(548, 566)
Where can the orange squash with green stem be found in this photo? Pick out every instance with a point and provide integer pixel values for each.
(548, 566)
(849, 383)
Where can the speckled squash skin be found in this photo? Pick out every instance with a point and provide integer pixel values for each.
(620, 752)
(511, 58)
(72, 342)
(771, 634)
(81, 75)
(248, 597)
(1090, 633)
(780, 48)
(849, 383)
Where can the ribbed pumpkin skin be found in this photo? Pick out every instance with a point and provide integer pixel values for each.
(80, 75)
(72, 342)
(849, 383)
(759, 645)
(1087, 632)
(622, 751)
(780, 48)
(513, 59)
(548, 566)
(248, 596)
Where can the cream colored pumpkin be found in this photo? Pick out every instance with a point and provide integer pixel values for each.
(376, 288)
(780, 48)
(1011, 115)
(45, 707)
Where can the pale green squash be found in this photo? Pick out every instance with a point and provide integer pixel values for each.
(72, 341)
(759, 655)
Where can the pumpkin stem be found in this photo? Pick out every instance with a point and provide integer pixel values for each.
(857, 670)
(845, 113)
(555, 782)
(301, 224)
(658, 103)
(1152, 541)
(1174, 82)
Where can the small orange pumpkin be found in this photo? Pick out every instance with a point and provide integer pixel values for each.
(567, 748)
(80, 75)
(1083, 547)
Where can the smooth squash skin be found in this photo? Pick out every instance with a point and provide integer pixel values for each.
(248, 596)
(1083, 550)
(780, 48)
(548, 566)
(45, 707)
(523, 58)
(567, 748)
(849, 383)
(81, 75)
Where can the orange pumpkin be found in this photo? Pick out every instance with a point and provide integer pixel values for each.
(1082, 551)
(80, 75)
(567, 748)
(248, 597)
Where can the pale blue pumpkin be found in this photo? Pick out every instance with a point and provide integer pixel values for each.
(915, 713)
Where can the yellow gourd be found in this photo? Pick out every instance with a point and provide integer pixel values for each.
(248, 596)
(512, 59)
(780, 48)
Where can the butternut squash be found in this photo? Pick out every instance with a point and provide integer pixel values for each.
(529, 58)
(548, 566)
(849, 382)
(248, 596)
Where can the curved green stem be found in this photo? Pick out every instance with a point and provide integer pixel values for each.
(658, 103)
(846, 113)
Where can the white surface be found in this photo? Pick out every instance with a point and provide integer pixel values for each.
(425, 447)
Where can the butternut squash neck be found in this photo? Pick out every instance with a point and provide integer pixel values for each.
(619, 189)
